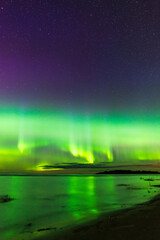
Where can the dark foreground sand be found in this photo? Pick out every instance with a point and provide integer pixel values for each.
(141, 222)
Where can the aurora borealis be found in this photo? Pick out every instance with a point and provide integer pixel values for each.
(79, 84)
(47, 140)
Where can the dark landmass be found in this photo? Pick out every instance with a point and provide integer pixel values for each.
(156, 186)
(128, 172)
(149, 179)
(136, 223)
(5, 198)
(46, 229)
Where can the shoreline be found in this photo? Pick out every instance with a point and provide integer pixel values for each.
(135, 223)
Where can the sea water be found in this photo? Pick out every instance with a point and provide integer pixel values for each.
(60, 200)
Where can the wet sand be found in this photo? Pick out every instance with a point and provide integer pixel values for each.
(140, 222)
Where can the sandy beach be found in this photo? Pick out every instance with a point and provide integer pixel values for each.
(140, 222)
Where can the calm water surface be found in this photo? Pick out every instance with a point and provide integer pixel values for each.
(59, 201)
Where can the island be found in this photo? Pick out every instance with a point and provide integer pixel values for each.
(128, 172)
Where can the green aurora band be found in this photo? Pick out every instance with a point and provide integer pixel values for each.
(33, 139)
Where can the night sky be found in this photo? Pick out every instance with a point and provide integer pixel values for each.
(79, 83)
